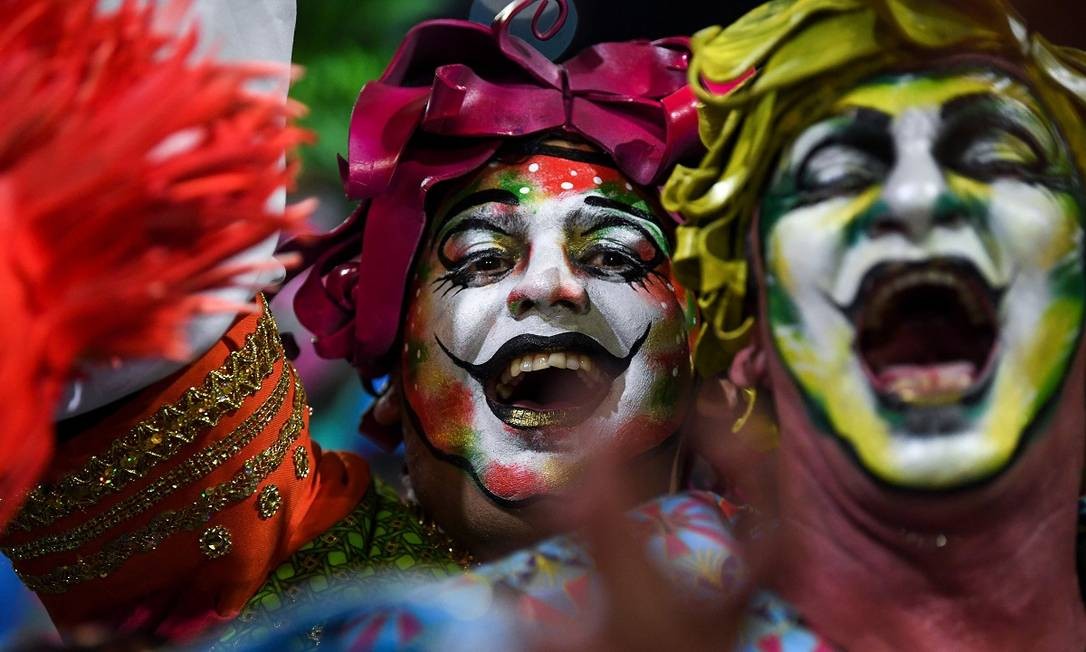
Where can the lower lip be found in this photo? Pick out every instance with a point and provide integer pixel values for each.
(977, 387)
(523, 418)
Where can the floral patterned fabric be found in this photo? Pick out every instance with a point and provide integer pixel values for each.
(495, 606)
(382, 544)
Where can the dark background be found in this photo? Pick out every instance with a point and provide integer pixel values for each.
(344, 43)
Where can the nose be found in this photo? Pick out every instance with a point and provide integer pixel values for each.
(916, 185)
(548, 285)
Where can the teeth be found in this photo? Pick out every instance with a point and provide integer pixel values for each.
(942, 383)
(538, 361)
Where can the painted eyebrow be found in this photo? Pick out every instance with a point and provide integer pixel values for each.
(872, 118)
(492, 195)
(489, 196)
(467, 224)
(617, 220)
(605, 202)
(863, 127)
(966, 102)
(1023, 123)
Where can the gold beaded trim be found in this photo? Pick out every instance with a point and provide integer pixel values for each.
(192, 469)
(301, 463)
(267, 504)
(211, 501)
(160, 436)
(216, 541)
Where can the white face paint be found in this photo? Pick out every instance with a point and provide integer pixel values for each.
(543, 326)
(925, 272)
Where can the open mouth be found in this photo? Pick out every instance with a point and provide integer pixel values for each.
(927, 333)
(534, 381)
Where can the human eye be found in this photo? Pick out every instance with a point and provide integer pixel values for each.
(837, 169)
(995, 153)
(988, 137)
(487, 264)
(617, 250)
(609, 261)
(474, 254)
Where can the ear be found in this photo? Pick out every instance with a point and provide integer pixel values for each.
(748, 368)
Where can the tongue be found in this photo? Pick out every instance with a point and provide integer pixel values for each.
(931, 383)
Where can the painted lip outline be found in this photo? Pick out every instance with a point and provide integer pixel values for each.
(965, 273)
(530, 419)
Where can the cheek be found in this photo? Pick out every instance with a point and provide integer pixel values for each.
(674, 321)
(667, 357)
(1035, 226)
(446, 409)
(419, 320)
(419, 316)
(659, 302)
(802, 246)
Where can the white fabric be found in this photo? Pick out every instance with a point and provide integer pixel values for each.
(238, 30)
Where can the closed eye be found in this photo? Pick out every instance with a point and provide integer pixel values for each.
(840, 169)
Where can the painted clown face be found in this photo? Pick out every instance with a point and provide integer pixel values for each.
(924, 272)
(544, 325)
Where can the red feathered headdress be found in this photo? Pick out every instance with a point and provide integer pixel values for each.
(128, 174)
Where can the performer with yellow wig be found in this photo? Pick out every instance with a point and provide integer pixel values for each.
(887, 236)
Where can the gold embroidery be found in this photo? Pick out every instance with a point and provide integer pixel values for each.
(301, 463)
(267, 504)
(216, 542)
(211, 501)
(198, 466)
(161, 435)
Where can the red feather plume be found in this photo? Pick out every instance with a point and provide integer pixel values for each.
(129, 172)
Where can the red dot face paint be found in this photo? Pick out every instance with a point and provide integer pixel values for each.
(545, 325)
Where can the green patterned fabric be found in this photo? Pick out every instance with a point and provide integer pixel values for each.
(382, 542)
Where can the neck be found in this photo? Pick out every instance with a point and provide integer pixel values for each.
(991, 567)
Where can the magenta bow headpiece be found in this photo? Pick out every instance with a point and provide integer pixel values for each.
(454, 92)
